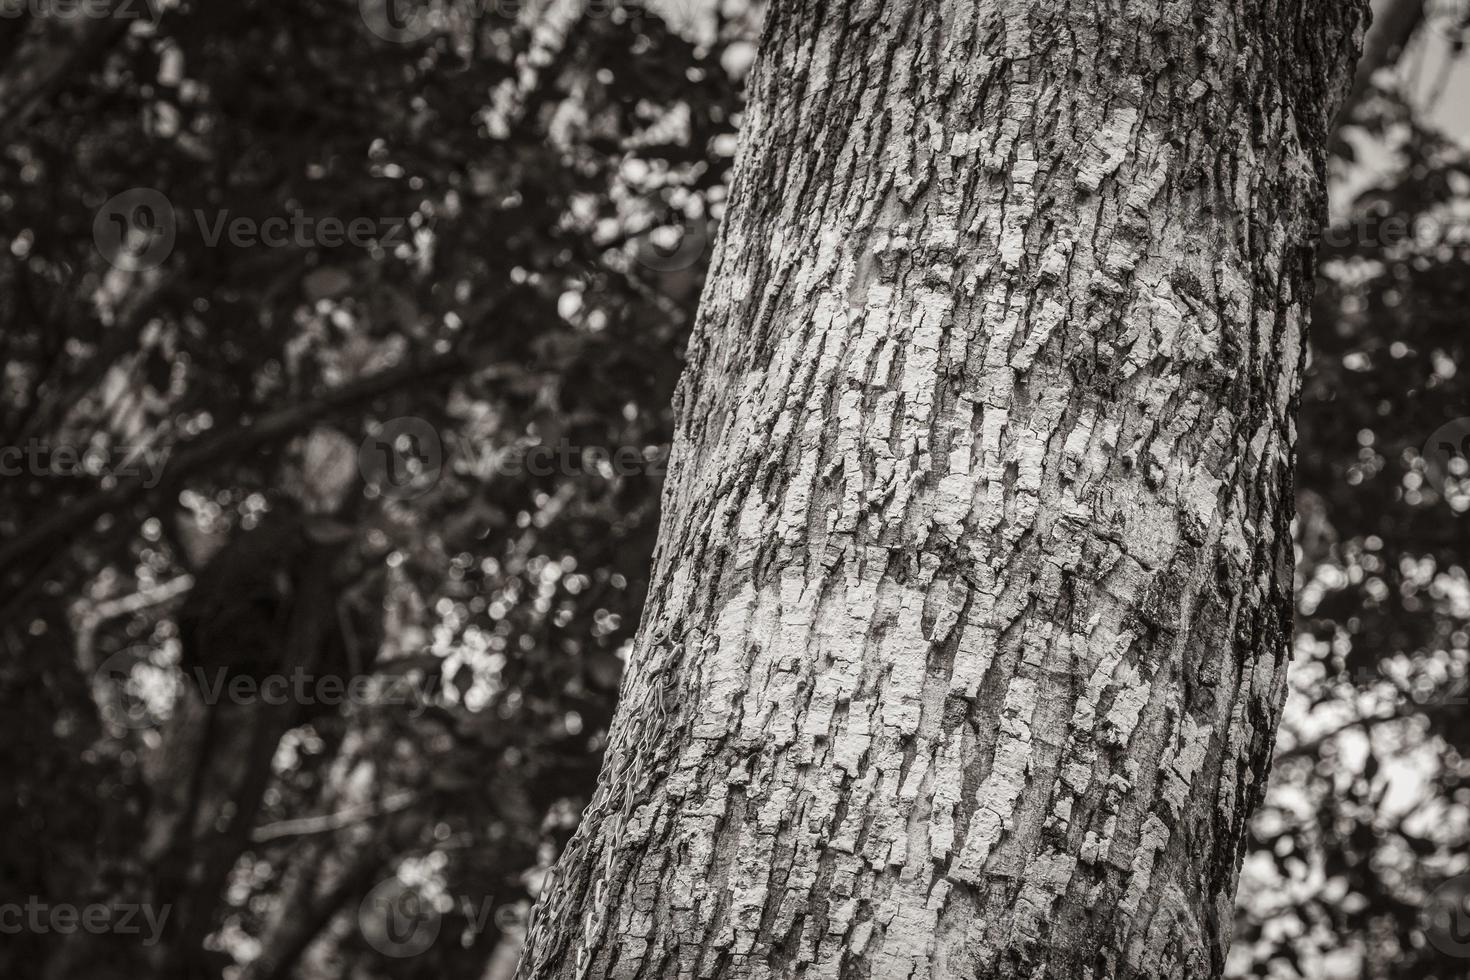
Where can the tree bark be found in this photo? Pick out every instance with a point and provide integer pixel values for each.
(969, 624)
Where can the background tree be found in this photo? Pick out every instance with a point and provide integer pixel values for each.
(513, 169)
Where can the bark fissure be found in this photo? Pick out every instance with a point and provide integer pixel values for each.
(966, 639)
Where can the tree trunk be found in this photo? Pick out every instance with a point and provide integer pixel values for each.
(969, 624)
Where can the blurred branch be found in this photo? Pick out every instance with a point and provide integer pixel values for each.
(197, 454)
(121, 339)
(201, 863)
(506, 955)
(1306, 749)
(305, 910)
(302, 919)
(90, 617)
(1390, 33)
(329, 822)
(95, 614)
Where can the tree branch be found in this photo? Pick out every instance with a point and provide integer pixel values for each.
(327, 823)
(197, 454)
(90, 617)
(1303, 750)
(1392, 29)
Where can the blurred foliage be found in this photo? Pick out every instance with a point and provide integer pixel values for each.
(514, 169)
(527, 170)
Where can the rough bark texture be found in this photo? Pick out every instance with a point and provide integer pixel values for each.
(969, 625)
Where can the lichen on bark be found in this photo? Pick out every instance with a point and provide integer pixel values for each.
(967, 634)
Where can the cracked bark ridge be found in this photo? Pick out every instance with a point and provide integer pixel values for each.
(967, 637)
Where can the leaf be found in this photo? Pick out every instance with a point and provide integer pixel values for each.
(327, 282)
(328, 469)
